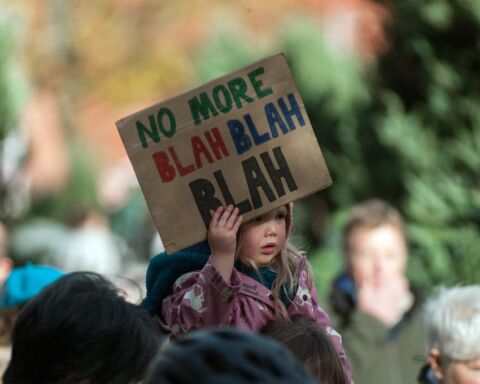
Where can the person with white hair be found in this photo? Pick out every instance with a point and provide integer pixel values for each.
(452, 321)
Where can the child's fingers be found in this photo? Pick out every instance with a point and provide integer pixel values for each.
(231, 220)
(215, 217)
(225, 215)
(237, 223)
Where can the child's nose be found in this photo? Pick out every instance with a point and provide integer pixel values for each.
(271, 229)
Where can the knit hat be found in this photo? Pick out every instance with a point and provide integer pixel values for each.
(24, 283)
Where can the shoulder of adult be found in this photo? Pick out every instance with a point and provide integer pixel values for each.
(342, 296)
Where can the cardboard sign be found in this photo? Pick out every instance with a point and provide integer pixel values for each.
(242, 139)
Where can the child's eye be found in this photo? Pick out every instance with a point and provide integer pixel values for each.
(281, 216)
(257, 219)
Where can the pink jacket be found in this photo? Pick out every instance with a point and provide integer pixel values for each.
(202, 298)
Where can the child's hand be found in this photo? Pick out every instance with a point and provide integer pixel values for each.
(222, 238)
(222, 232)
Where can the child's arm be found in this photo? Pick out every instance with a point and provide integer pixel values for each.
(222, 238)
(200, 299)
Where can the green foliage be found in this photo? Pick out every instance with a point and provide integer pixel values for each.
(224, 51)
(12, 83)
(321, 74)
(327, 260)
(407, 131)
(429, 121)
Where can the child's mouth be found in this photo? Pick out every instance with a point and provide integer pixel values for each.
(267, 250)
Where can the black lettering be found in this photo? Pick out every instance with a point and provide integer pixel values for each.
(255, 180)
(276, 174)
(243, 207)
(204, 195)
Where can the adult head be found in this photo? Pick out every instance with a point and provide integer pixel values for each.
(311, 345)
(226, 356)
(24, 283)
(374, 244)
(21, 285)
(80, 330)
(452, 320)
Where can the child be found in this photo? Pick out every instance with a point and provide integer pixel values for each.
(249, 277)
(311, 345)
(199, 357)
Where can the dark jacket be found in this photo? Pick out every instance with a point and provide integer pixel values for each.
(427, 376)
(378, 354)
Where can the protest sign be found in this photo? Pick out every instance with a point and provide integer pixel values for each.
(242, 139)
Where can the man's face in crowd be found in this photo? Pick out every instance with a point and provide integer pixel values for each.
(463, 372)
(454, 371)
(377, 255)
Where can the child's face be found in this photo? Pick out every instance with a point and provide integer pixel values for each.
(263, 238)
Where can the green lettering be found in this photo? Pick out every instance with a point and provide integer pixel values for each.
(257, 84)
(226, 105)
(171, 117)
(201, 107)
(238, 88)
(152, 133)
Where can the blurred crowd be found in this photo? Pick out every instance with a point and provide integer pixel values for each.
(80, 257)
(80, 320)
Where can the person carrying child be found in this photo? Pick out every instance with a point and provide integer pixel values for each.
(247, 276)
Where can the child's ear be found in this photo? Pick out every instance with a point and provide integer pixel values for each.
(435, 361)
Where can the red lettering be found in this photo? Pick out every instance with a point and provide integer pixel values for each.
(216, 143)
(181, 169)
(198, 148)
(165, 170)
(169, 164)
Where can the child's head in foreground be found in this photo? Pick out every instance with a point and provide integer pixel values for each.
(226, 356)
(310, 344)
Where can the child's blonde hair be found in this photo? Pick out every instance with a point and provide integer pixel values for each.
(286, 264)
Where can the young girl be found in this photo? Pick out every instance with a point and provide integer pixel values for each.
(311, 345)
(249, 277)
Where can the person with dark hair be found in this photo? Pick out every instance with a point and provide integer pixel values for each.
(375, 307)
(310, 344)
(17, 286)
(226, 356)
(21, 285)
(80, 330)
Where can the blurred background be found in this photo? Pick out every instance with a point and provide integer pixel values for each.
(392, 90)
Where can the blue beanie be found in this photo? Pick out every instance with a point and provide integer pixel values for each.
(24, 283)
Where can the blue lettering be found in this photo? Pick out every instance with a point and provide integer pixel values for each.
(240, 139)
(253, 130)
(274, 118)
(294, 111)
